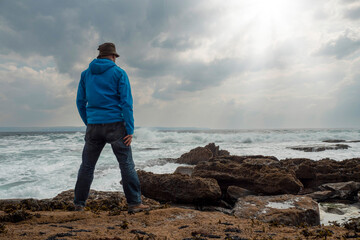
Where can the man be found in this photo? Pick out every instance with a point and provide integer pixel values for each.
(105, 104)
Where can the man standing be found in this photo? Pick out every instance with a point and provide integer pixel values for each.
(105, 104)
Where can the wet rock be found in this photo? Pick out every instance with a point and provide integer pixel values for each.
(283, 209)
(343, 190)
(201, 154)
(179, 188)
(320, 196)
(334, 141)
(267, 179)
(334, 210)
(340, 141)
(234, 192)
(185, 170)
(312, 173)
(320, 148)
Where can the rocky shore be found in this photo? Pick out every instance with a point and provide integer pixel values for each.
(215, 196)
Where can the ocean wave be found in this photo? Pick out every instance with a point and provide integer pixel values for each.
(53, 159)
(242, 136)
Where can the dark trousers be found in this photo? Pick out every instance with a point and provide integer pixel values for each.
(97, 135)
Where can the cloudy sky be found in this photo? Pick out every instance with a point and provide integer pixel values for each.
(214, 64)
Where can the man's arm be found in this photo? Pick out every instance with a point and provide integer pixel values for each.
(81, 100)
(126, 102)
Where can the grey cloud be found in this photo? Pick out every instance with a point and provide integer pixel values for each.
(190, 77)
(30, 94)
(64, 29)
(353, 13)
(178, 43)
(28, 102)
(342, 47)
(349, 1)
(199, 75)
(346, 113)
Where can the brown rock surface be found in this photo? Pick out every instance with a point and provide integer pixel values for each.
(320, 196)
(186, 170)
(201, 154)
(343, 190)
(282, 209)
(315, 173)
(168, 223)
(234, 192)
(179, 188)
(98, 200)
(267, 179)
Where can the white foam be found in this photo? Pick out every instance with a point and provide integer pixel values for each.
(50, 161)
(280, 205)
(349, 210)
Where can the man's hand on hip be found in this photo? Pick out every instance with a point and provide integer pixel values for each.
(128, 140)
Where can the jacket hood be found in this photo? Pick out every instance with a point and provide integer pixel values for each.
(99, 66)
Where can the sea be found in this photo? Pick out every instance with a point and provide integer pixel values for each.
(42, 162)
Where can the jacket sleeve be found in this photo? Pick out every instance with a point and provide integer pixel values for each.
(126, 102)
(81, 100)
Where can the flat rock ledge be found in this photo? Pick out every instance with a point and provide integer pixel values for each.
(260, 175)
(282, 209)
(98, 200)
(320, 148)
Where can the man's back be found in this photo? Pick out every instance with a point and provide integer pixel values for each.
(104, 95)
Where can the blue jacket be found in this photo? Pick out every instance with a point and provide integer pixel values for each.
(104, 95)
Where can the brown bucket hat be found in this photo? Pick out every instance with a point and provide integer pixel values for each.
(107, 49)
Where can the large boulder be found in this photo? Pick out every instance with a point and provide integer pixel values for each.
(312, 173)
(179, 188)
(282, 209)
(305, 170)
(270, 179)
(343, 190)
(201, 154)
